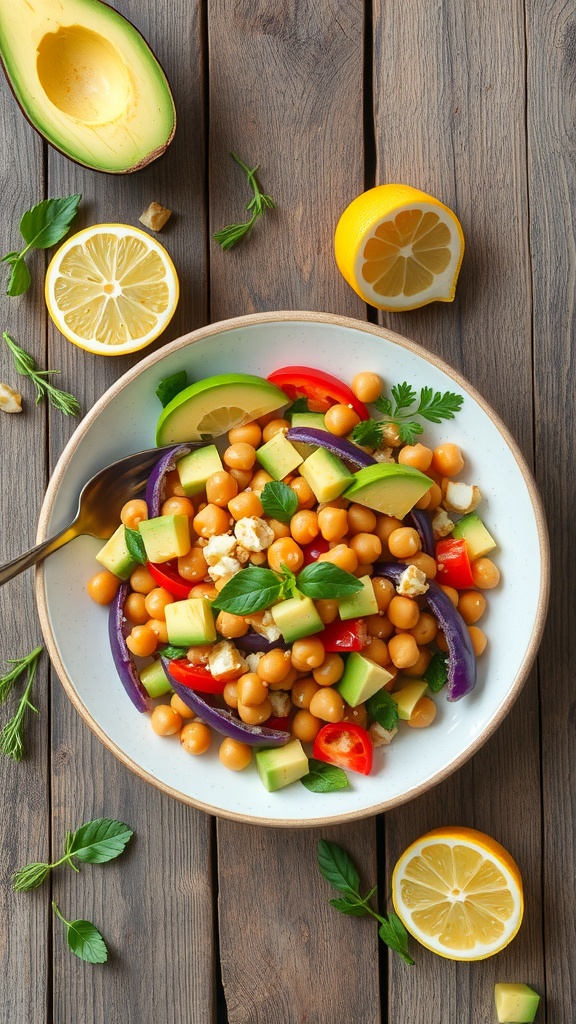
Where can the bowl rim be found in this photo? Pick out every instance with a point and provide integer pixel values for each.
(249, 320)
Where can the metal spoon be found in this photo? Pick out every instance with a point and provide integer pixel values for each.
(99, 505)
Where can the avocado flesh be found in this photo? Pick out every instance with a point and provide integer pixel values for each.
(87, 81)
(388, 488)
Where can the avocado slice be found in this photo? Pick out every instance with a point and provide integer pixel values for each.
(515, 1003)
(115, 556)
(87, 81)
(388, 487)
(213, 406)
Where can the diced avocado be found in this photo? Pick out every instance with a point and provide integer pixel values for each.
(515, 1003)
(363, 602)
(195, 468)
(362, 679)
(408, 696)
(88, 82)
(165, 537)
(326, 474)
(307, 419)
(388, 487)
(190, 623)
(278, 456)
(279, 766)
(115, 556)
(296, 617)
(154, 679)
(478, 541)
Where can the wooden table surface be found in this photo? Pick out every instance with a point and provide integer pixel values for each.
(213, 920)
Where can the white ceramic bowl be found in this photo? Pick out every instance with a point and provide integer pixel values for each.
(123, 421)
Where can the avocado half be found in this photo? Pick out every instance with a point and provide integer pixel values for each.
(87, 81)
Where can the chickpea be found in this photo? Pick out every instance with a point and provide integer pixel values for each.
(441, 642)
(207, 590)
(333, 523)
(403, 650)
(250, 433)
(435, 493)
(240, 456)
(135, 609)
(177, 505)
(285, 551)
(404, 542)
(330, 671)
(304, 526)
(419, 667)
(211, 521)
(274, 427)
(385, 525)
(356, 716)
(342, 556)
(307, 653)
(159, 628)
(303, 491)
(379, 626)
(230, 625)
(424, 632)
(172, 485)
(230, 694)
(156, 601)
(259, 480)
(424, 501)
(447, 460)
(195, 738)
(133, 512)
(479, 640)
(245, 505)
(142, 641)
(471, 606)
(423, 714)
(255, 714)
(303, 690)
(327, 609)
(451, 593)
(274, 666)
(243, 477)
(286, 683)
(377, 650)
(165, 721)
(327, 704)
(416, 455)
(221, 487)
(383, 592)
(193, 566)
(361, 519)
(341, 419)
(234, 755)
(305, 726)
(177, 704)
(252, 690)
(485, 573)
(403, 612)
(366, 386)
(103, 587)
(424, 562)
(141, 580)
(367, 547)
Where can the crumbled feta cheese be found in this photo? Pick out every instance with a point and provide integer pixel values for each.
(252, 660)
(226, 566)
(460, 497)
(412, 582)
(263, 623)
(219, 546)
(155, 216)
(225, 661)
(242, 554)
(383, 455)
(381, 737)
(442, 525)
(253, 533)
(281, 702)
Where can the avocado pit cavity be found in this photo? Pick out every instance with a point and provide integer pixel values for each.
(83, 75)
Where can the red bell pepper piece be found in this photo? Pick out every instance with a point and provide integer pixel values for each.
(166, 575)
(351, 635)
(316, 547)
(196, 677)
(321, 389)
(453, 563)
(346, 745)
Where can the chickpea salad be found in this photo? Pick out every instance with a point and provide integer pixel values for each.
(303, 578)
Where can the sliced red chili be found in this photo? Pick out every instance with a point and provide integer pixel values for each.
(196, 677)
(321, 389)
(166, 575)
(351, 635)
(453, 563)
(346, 745)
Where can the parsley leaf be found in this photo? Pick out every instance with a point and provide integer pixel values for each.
(324, 579)
(433, 406)
(368, 433)
(251, 590)
(383, 709)
(171, 386)
(279, 501)
(323, 777)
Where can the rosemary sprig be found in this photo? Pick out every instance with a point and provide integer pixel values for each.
(26, 366)
(11, 737)
(260, 202)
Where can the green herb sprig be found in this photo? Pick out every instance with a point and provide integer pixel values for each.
(432, 406)
(84, 939)
(338, 868)
(12, 735)
(232, 234)
(26, 366)
(323, 777)
(41, 227)
(253, 589)
(94, 842)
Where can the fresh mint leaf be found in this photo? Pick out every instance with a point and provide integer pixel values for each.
(368, 433)
(48, 221)
(279, 501)
(171, 386)
(20, 279)
(323, 777)
(383, 709)
(84, 939)
(135, 545)
(338, 868)
(99, 841)
(251, 590)
(325, 580)
(436, 675)
(394, 934)
(351, 906)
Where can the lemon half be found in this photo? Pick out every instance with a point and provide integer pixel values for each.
(399, 248)
(111, 289)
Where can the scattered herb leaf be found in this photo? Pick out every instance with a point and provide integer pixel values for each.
(251, 590)
(233, 233)
(12, 735)
(41, 227)
(436, 675)
(339, 870)
(135, 545)
(279, 501)
(20, 665)
(94, 842)
(298, 405)
(84, 939)
(171, 386)
(171, 651)
(383, 709)
(368, 433)
(324, 579)
(26, 366)
(323, 777)
(432, 406)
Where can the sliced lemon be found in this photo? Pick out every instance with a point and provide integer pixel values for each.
(111, 289)
(399, 248)
(459, 893)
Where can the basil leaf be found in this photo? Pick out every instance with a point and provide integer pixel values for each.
(250, 590)
(383, 709)
(99, 841)
(337, 867)
(323, 777)
(20, 279)
(394, 934)
(171, 652)
(351, 907)
(169, 387)
(323, 579)
(279, 501)
(48, 221)
(85, 941)
(436, 675)
(135, 545)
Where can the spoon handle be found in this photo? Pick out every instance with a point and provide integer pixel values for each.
(36, 554)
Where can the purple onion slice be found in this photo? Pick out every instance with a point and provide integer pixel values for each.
(254, 643)
(156, 486)
(122, 657)
(423, 525)
(223, 721)
(461, 660)
(340, 446)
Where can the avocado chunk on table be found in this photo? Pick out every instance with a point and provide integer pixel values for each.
(515, 1003)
